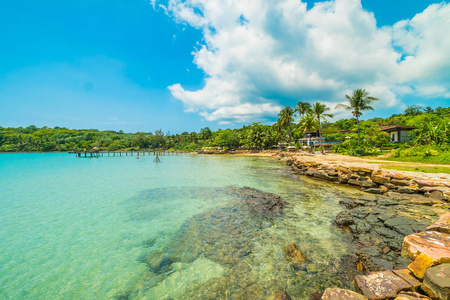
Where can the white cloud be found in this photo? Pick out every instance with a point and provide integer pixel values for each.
(260, 54)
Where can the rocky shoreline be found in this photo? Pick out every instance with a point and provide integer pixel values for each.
(394, 230)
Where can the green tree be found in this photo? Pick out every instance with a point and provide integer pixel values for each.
(375, 137)
(319, 110)
(303, 108)
(308, 123)
(358, 102)
(414, 110)
(286, 118)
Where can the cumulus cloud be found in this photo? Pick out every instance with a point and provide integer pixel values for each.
(262, 54)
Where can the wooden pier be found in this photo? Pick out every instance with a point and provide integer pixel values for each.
(95, 154)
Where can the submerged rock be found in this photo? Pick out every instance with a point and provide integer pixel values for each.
(295, 255)
(261, 202)
(281, 295)
(344, 218)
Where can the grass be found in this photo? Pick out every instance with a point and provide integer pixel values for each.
(424, 169)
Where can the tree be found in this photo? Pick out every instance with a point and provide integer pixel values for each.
(359, 101)
(319, 109)
(303, 108)
(286, 118)
(308, 123)
(375, 137)
(414, 110)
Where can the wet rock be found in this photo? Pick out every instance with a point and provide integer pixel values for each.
(380, 285)
(427, 249)
(341, 294)
(295, 255)
(365, 263)
(386, 265)
(348, 203)
(344, 218)
(360, 226)
(406, 275)
(411, 296)
(437, 282)
(401, 225)
(442, 225)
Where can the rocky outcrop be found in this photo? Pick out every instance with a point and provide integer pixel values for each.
(261, 202)
(373, 181)
(437, 282)
(426, 249)
(341, 294)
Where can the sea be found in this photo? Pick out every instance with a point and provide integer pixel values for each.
(128, 228)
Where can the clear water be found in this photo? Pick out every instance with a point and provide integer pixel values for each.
(76, 228)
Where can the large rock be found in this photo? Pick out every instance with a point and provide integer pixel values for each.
(341, 294)
(261, 202)
(427, 249)
(437, 282)
(380, 285)
(442, 225)
(406, 275)
(380, 179)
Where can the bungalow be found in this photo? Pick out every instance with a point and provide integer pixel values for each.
(398, 134)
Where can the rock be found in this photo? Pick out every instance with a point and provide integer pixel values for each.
(383, 263)
(438, 195)
(368, 184)
(281, 295)
(400, 182)
(437, 282)
(332, 173)
(407, 190)
(362, 170)
(441, 225)
(348, 203)
(406, 275)
(380, 285)
(261, 202)
(344, 218)
(380, 179)
(378, 191)
(295, 255)
(354, 182)
(401, 225)
(384, 188)
(427, 249)
(432, 183)
(411, 296)
(340, 294)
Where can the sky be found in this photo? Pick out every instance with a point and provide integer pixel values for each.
(181, 65)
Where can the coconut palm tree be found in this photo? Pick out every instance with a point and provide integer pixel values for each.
(286, 118)
(319, 109)
(308, 123)
(303, 108)
(359, 101)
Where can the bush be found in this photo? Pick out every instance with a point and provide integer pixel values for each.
(357, 151)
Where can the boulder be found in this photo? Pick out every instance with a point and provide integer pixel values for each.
(354, 182)
(437, 282)
(341, 294)
(295, 255)
(344, 218)
(380, 285)
(261, 202)
(427, 249)
(411, 296)
(441, 225)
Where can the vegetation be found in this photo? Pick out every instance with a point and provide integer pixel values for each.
(430, 142)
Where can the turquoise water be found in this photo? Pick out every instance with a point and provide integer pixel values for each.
(76, 228)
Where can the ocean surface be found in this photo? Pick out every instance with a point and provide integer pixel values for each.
(122, 228)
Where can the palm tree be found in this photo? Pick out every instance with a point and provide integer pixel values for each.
(319, 109)
(303, 108)
(359, 101)
(286, 118)
(308, 123)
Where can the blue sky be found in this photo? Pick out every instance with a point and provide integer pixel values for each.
(182, 65)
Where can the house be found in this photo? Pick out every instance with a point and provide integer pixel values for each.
(398, 133)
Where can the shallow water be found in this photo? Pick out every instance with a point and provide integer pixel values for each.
(76, 228)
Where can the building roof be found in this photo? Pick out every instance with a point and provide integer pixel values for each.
(397, 127)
